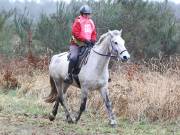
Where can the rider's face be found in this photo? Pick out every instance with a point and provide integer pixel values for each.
(87, 15)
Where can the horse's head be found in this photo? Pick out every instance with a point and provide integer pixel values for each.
(117, 45)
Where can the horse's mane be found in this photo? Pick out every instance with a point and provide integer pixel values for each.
(103, 36)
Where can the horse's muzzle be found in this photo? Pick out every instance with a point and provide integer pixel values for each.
(125, 56)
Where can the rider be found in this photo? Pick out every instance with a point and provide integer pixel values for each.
(83, 33)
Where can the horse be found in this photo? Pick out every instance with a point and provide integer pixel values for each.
(93, 75)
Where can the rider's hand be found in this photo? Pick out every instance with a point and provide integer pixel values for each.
(93, 42)
(87, 42)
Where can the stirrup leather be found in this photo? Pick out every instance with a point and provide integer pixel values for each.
(68, 79)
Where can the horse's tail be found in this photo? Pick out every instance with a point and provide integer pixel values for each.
(52, 96)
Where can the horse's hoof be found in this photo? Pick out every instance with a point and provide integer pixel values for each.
(113, 123)
(77, 119)
(69, 119)
(51, 117)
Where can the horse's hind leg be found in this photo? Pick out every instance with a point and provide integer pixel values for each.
(52, 115)
(61, 88)
(104, 94)
(63, 102)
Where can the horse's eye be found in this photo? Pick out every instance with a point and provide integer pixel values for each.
(115, 43)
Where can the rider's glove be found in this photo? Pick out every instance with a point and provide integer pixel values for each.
(87, 42)
(93, 42)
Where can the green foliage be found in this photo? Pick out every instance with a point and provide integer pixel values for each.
(4, 15)
(106, 16)
(23, 26)
(5, 34)
(54, 31)
(149, 28)
(5, 42)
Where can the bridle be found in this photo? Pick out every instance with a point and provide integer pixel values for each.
(109, 54)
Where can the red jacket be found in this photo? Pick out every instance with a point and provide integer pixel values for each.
(83, 29)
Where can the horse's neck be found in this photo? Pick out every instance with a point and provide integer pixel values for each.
(100, 62)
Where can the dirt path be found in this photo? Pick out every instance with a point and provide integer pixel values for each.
(23, 125)
(40, 125)
(28, 116)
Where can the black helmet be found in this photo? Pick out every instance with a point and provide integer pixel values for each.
(85, 9)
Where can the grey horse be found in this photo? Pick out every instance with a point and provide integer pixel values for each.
(92, 76)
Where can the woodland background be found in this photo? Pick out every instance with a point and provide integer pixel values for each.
(145, 92)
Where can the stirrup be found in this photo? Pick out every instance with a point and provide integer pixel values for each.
(68, 79)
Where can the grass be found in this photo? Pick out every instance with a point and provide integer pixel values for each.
(14, 105)
(29, 116)
(137, 92)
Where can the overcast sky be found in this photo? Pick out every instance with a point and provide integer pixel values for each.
(175, 1)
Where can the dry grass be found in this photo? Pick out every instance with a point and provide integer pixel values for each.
(137, 92)
(157, 97)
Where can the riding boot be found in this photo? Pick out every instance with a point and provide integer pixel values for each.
(68, 79)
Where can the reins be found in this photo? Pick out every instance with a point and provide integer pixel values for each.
(107, 55)
(110, 53)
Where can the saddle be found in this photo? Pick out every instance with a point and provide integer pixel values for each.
(82, 58)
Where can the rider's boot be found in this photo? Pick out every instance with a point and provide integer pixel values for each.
(68, 79)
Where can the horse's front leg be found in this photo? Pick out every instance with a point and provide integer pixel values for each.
(84, 93)
(105, 95)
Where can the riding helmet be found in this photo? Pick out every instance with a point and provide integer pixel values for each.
(85, 9)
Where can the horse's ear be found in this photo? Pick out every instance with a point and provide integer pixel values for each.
(110, 33)
(120, 32)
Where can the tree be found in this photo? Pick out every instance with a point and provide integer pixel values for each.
(54, 30)
(23, 26)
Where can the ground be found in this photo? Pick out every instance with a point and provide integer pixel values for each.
(29, 116)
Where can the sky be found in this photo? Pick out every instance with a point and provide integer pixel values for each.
(175, 1)
(38, 1)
